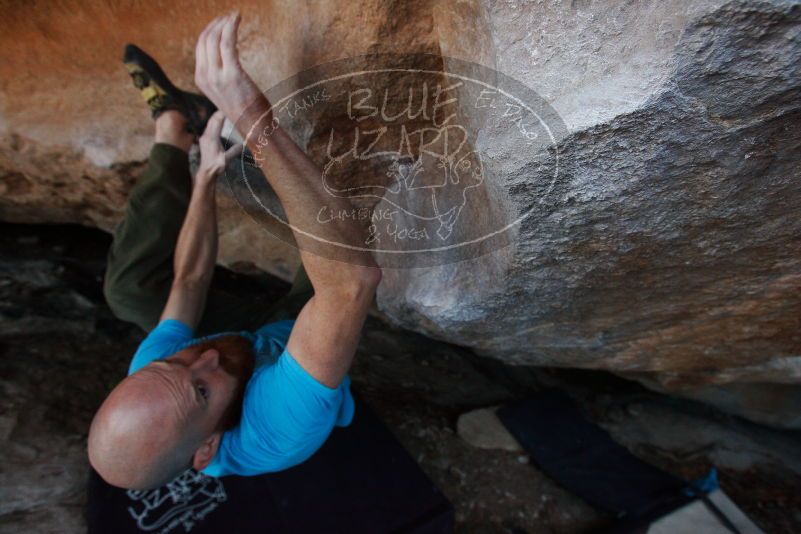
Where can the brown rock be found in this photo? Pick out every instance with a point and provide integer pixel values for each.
(481, 428)
(667, 251)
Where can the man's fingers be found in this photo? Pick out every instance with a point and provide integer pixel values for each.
(233, 152)
(200, 50)
(211, 42)
(228, 41)
(214, 126)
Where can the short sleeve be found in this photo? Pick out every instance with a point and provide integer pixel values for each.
(287, 415)
(164, 340)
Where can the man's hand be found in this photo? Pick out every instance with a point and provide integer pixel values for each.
(213, 158)
(218, 72)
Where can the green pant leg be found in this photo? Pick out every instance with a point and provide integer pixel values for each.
(225, 312)
(140, 262)
(300, 292)
(301, 285)
(288, 306)
(139, 269)
(258, 312)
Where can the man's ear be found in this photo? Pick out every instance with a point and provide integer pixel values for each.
(205, 453)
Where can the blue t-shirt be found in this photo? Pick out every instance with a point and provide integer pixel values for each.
(286, 414)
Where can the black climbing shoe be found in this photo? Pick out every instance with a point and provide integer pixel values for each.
(161, 95)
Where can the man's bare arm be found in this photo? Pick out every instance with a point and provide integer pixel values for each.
(327, 330)
(196, 249)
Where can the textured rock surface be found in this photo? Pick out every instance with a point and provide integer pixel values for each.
(668, 251)
(481, 428)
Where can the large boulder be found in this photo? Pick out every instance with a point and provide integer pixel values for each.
(667, 251)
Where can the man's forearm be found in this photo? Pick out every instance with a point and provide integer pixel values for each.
(297, 182)
(196, 250)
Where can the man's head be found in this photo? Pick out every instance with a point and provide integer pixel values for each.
(170, 415)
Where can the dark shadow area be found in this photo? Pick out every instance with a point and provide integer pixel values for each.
(62, 350)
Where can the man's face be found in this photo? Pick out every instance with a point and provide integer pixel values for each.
(203, 381)
(154, 422)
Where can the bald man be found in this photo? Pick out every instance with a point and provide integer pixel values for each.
(219, 384)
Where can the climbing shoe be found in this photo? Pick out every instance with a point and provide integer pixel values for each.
(161, 95)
